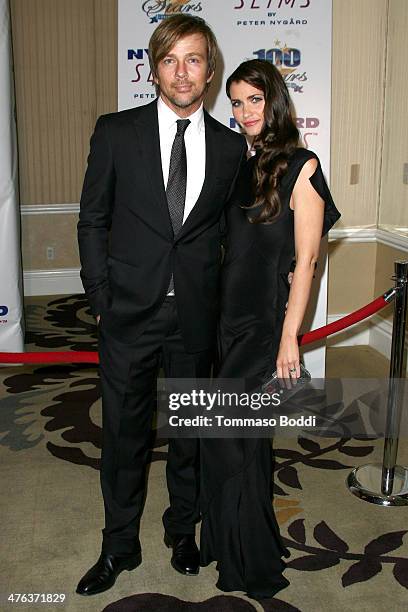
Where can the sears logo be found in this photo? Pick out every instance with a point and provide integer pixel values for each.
(157, 10)
(3, 311)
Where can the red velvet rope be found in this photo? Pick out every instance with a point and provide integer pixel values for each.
(93, 357)
(350, 319)
(51, 357)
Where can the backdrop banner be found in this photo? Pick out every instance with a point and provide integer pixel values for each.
(11, 332)
(295, 35)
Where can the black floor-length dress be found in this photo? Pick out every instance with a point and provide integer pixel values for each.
(239, 529)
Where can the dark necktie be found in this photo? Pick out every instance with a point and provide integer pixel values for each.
(177, 181)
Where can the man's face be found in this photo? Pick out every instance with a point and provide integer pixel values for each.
(182, 75)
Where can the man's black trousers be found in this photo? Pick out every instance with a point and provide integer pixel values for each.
(128, 375)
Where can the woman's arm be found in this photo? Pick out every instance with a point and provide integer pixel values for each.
(308, 211)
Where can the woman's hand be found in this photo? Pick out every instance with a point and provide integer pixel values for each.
(287, 363)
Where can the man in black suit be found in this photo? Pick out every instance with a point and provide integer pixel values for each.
(158, 178)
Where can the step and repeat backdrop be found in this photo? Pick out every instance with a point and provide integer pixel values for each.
(295, 35)
(11, 312)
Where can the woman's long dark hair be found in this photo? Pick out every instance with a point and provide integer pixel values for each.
(278, 138)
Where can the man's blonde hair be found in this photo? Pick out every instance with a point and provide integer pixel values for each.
(171, 30)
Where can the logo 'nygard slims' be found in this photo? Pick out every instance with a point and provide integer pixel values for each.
(157, 10)
(271, 4)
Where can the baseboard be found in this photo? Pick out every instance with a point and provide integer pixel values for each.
(52, 282)
(381, 337)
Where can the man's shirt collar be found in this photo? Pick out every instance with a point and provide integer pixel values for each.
(168, 117)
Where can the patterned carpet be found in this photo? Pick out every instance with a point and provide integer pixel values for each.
(345, 554)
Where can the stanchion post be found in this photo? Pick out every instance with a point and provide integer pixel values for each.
(386, 484)
(397, 369)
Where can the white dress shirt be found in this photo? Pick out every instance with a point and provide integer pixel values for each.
(194, 138)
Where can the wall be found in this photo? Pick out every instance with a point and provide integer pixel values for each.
(65, 63)
(394, 192)
(359, 38)
(369, 128)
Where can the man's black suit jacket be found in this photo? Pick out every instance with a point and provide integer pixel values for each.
(126, 241)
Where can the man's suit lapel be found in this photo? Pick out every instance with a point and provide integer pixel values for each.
(212, 153)
(147, 127)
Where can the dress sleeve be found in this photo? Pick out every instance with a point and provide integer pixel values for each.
(331, 214)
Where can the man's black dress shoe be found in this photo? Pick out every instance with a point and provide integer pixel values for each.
(103, 574)
(186, 556)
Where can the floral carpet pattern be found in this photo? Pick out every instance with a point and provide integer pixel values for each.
(356, 551)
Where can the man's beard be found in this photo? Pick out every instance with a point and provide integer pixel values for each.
(185, 103)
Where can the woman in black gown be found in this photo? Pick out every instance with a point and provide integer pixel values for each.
(280, 208)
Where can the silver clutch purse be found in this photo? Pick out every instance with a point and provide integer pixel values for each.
(286, 388)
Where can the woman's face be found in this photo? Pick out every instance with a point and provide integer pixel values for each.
(248, 105)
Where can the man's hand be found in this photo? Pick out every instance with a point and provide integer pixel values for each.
(98, 318)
